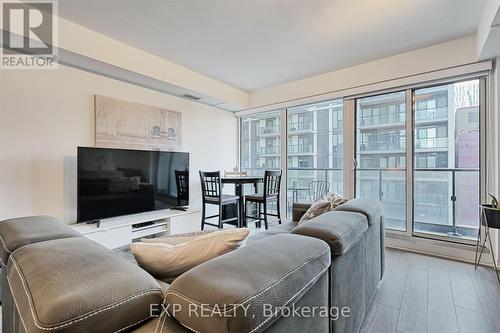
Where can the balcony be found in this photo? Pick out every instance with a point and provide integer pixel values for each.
(446, 201)
(378, 121)
(300, 149)
(300, 126)
(399, 119)
(431, 115)
(298, 180)
(269, 130)
(431, 143)
(394, 146)
(270, 150)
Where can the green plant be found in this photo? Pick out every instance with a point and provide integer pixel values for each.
(494, 201)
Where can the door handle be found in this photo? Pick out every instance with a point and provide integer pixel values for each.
(354, 164)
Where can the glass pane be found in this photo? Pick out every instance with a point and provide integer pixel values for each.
(446, 178)
(380, 152)
(260, 148)
(314, 151)
(260, 143)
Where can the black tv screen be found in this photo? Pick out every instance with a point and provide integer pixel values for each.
(115, 182)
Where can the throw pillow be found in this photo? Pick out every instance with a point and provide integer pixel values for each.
(168, 257)
(326, 203)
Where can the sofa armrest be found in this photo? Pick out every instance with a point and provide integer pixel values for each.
(18, 232)
(372, 209)
(232, 292)
(299, 209)
(76, 285)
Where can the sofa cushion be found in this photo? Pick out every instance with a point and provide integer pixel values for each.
(372, 209)
(15, 233)
(230, 293)
(341, 230)
(77, 285)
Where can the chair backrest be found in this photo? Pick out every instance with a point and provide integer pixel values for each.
(272, 183)
(318, 188)
(182, 184)
(210, 184)
(235, 173)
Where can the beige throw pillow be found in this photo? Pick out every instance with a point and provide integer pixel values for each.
(324, 204)
(168, 257)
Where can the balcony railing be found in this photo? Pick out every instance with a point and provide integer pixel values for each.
(430, 143)
(300, 126)
(383, 145)
(297, 149)
(400, 117)
(427, 143)
(429, 114)
(271, 150)
(270, 130)
(446, 200)
(390, 118)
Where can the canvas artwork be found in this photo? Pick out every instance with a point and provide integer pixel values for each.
(129, 125)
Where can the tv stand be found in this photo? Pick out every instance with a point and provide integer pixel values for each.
(96, 222)
(122, 231)
(181, 208)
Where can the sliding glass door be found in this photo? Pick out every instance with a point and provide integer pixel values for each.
(314, 151)
(444, 153)
(446, 158)
(381, 154)
(417, 150)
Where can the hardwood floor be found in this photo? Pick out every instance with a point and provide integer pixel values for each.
(426, 294)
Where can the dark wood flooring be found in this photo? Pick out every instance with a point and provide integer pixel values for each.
(426, 294)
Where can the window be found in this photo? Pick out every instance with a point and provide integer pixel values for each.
(314, 148)
(442, 173)
(260, 143)
(380, 151)
(446, 179)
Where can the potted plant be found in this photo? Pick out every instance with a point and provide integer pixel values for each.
(491, 213)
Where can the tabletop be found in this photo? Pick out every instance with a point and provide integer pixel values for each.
(242, 179)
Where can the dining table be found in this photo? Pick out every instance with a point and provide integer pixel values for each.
(239, 190)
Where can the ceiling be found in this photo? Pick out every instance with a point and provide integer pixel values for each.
(256, 44)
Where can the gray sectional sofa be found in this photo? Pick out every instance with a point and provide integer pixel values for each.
(288, 279)
(355, 234)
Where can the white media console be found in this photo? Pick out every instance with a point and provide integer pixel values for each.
(122, 231)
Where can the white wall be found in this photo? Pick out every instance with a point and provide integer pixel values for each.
(46, 114)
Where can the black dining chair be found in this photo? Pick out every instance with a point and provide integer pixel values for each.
(272, 184)
(182, 185)
(317, 189)
(211, 193)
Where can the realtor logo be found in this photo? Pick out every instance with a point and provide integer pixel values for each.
(28, 34)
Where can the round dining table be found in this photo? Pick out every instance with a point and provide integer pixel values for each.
(239, 183)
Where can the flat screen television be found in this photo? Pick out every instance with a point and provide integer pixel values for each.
(116, 182)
